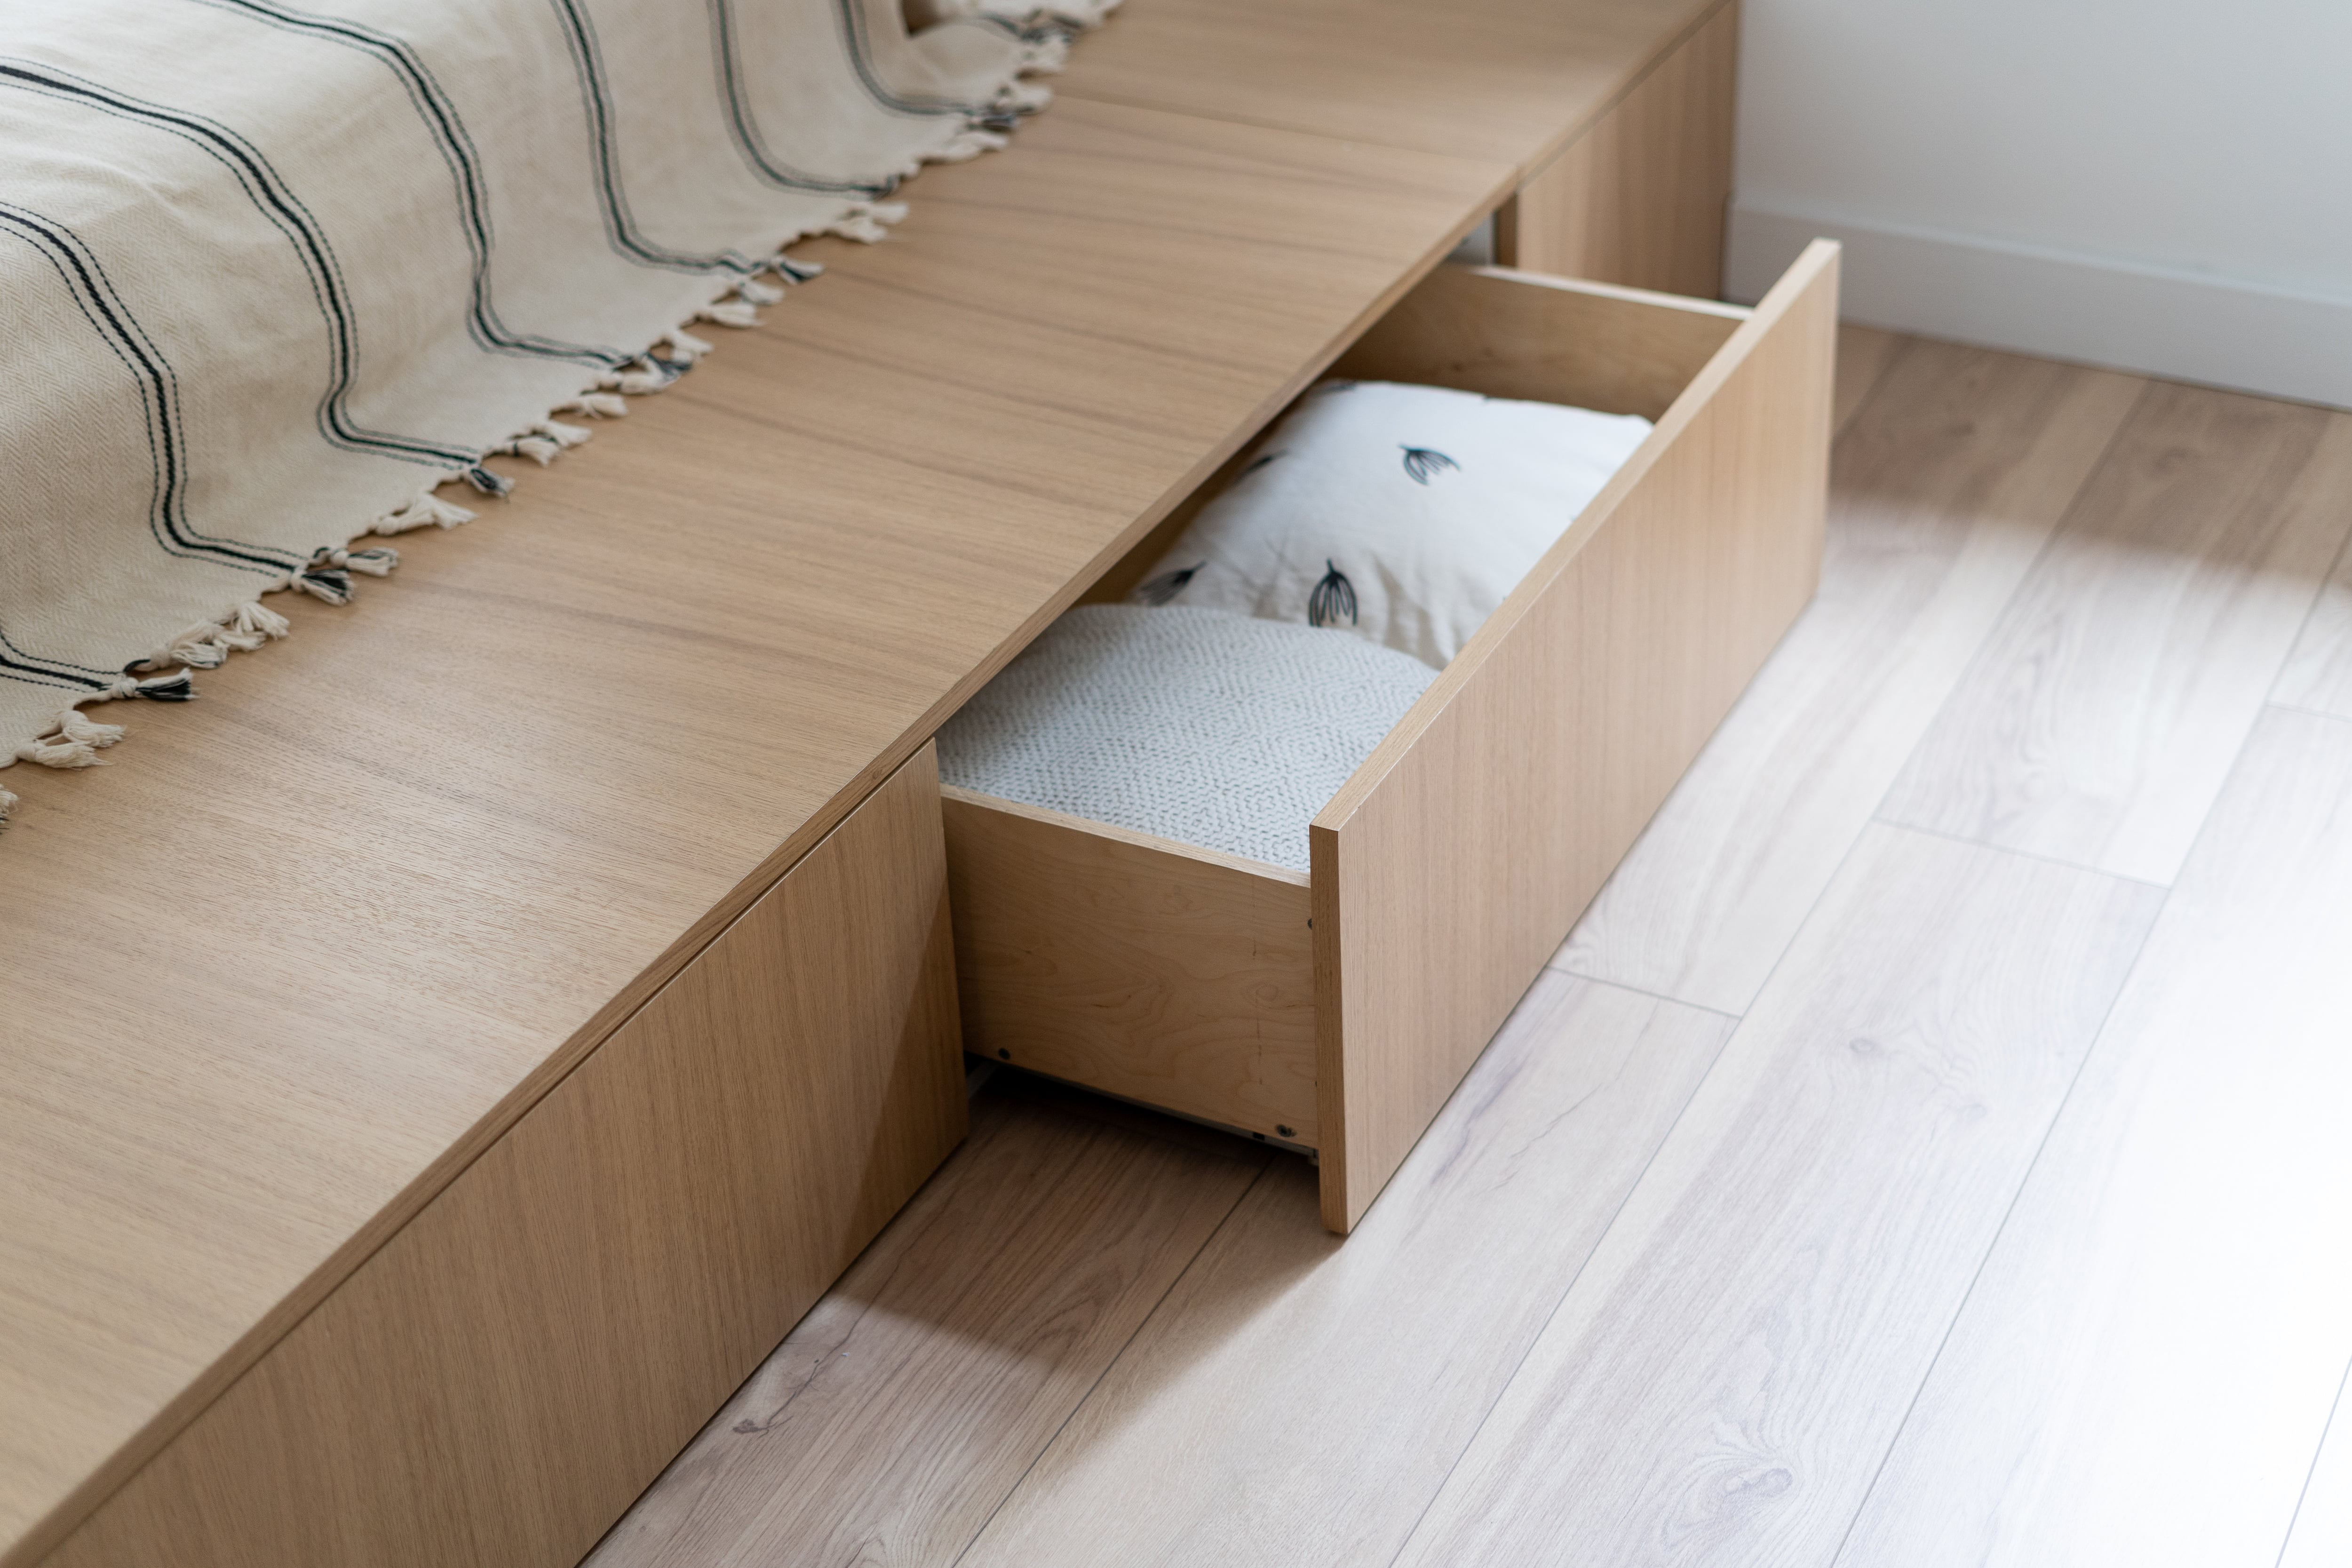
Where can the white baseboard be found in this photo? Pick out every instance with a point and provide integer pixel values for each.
(2172, 324)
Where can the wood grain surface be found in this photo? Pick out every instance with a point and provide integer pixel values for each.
(1449, 866)
(1728, 1369)
(1508, 333)
(1862, 355)
(1944, 487)
(1503, 81)
(1296, 1401)
(1291, 1398)
(2099, 723)
(609, 1269)
(1142, 967)
(320, 939)
(2317, 676)
(1642, 195)
(891, 1424)
(2167, 1312)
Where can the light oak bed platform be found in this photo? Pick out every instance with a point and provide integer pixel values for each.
(436, 1067)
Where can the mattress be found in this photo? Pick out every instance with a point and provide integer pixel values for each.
(1205, 727)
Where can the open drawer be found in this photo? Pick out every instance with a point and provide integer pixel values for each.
(1336, 1010)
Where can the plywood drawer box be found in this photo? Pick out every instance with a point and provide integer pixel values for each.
(1337, 1009)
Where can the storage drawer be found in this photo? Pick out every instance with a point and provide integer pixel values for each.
(1337, 1010)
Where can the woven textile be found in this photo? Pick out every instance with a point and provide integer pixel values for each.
(1208, 728)
(271, 274)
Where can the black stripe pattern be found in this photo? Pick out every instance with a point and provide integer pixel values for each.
(442, 123)
(285, 211)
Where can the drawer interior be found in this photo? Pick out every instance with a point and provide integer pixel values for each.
(1179, 976)
(1336, 1010)
(1502, 333)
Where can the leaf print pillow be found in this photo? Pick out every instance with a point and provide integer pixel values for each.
(1403, 514)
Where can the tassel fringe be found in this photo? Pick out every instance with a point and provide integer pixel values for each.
(70, 742)
(730, 313)
(424, 510)
(1076, 15)
(596, 406)
(543, 441)
(867, 221)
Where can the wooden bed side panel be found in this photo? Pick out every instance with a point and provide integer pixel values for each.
(500, 1380)
(1554, 339)
(1450, 866)
(1136, 965)
(1642, 195)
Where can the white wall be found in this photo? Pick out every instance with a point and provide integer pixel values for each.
(2164, 185)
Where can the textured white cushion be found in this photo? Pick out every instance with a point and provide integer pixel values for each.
(1407, 513)
(1207, 728)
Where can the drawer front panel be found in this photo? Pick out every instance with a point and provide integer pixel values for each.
(1146, 969)
(1448, 869)
(499, 1382)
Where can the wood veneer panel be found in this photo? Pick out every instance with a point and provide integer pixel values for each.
(1640, 196)
(1145, 968)
(1728, 1371)
(2100, 721)
(320, 939)
(1508, 81)
(498, 1381)
(1296, 1401)
(2147, 1361)
(1943, 491)
(1449, 866)
(896, 1417)
(1620, 351)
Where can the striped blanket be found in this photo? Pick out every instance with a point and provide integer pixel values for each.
(275, 276)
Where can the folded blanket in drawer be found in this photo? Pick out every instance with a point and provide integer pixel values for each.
(1208, 728)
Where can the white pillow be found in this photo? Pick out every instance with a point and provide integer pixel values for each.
(1406, 514)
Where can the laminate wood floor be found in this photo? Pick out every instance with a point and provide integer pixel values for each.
(1928, 1150)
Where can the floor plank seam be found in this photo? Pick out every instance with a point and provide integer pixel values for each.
(2317, 1449)
(1141, 1323)
(2237, 760)
(1797, 927)
(1637, 990)
(1904, 341)
(2024, 854)
(1999, 616)
(1536, 1338)
(2302, 628)
(2025, 1179)
(2307, 713)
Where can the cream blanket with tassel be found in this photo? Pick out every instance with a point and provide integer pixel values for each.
(275, 275)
